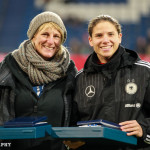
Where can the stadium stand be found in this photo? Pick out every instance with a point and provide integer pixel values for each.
(134, 16)
(129, 12)
(15, 24)
(102, 1)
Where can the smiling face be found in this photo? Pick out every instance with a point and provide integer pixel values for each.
(47, 42)
(105, 40)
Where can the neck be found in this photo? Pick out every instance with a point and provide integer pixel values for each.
(103, 60)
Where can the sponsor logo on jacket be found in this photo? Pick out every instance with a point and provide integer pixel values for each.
(137, 105)
(90, 91)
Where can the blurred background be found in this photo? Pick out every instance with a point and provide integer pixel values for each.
(134, 16)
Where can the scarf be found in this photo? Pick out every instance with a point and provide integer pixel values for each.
(39, 70)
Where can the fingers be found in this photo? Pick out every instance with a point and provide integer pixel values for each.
(132, 127)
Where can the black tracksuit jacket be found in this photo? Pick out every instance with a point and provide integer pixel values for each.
(116, 91)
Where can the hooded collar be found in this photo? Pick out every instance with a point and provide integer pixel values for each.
(122, 57)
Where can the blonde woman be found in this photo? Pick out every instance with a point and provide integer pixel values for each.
(37, 79)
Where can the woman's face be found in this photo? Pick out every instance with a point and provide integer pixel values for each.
(47, 42)
(105, 40)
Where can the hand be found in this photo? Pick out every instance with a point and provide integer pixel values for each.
(74, 145)
(132, 127)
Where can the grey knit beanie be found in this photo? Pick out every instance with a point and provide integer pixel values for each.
(42, 18)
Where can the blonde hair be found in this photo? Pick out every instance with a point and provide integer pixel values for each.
(55, 26)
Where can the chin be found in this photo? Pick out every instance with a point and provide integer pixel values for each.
(108, 54)
(49, 55)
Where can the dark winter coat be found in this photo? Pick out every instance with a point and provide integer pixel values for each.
(13, 80)
(116, 91)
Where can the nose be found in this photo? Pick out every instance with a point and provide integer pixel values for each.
(50, 40)
(105, 39)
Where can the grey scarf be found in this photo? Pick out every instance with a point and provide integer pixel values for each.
(41, 71)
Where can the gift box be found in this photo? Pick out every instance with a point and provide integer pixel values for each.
(25, 132)
(98, 134)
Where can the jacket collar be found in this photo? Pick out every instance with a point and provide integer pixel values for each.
(123, 57)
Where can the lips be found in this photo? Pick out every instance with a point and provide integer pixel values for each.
(49, 48)
(106, 48)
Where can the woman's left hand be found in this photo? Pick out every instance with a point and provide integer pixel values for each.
(132, 127)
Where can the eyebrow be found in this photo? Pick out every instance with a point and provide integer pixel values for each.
(98, 33)
(102, 33)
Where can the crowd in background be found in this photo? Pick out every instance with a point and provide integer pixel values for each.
(77, 40)
(143, 44)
